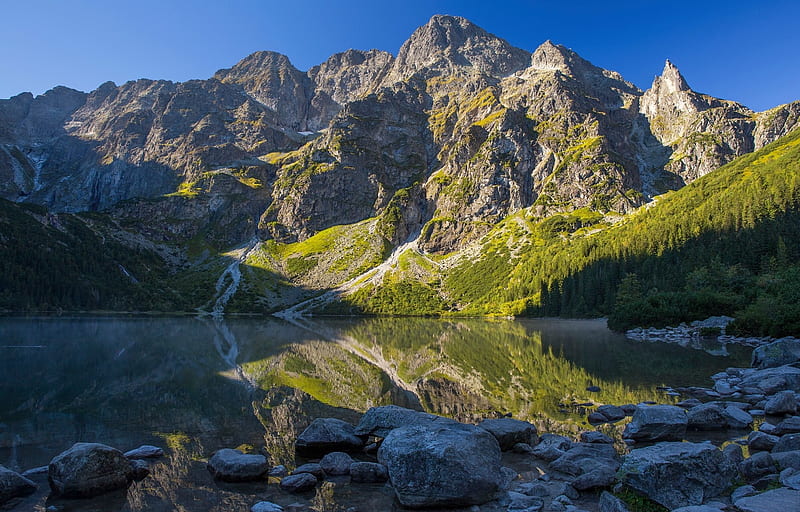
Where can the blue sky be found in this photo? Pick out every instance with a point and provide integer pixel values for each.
(744, 51)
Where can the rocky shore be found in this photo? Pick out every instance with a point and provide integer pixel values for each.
(416, 460)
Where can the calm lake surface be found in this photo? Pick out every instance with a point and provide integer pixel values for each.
(176, 382)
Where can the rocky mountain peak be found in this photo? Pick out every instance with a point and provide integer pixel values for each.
(671, 79)
(449, 42)
(271, 79)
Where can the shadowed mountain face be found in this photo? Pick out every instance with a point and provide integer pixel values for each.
(440, 144)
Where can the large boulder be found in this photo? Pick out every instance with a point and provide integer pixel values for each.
(509, 431)
(776, 500)
(677, 474)
(783, 402)
(13, 485)
(759, 441)
(657, 423)
(772, 380)
(326, 435)
(87, 470)
(379, 421)
(706, 417)
(234, 466)
(757, 466)
(778, 353)
(446, 466)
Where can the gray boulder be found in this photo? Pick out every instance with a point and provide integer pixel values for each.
(445, 466)
(336, 464)
(743, 492)
(13, 485)
(657, 423)
(706, 417)
(610, 503)
(379, 421)
(787, 459)
(87, 470)
(368, 473)
(325, 435)
(611, 412)
(737, 418)
(781, 403)
(266, 506)
(231, 465)
(593, 436)
(757, 466)
(759, 441)
(312, 468)
(299, 483)
(771, 501)
(677, 474)
(145, 452)
(778, 353)
(551, 447)
(790, 478)
(733, 453)
(788, 426)
(509, 431)
(772, 380)
(787, 443)
(583, 458)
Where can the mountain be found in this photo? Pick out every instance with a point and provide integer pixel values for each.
(364, 165)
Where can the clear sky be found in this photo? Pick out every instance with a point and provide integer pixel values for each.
(740, 50)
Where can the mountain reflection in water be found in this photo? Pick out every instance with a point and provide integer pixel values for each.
(179, 382)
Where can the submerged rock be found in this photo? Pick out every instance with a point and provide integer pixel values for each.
(13, 485)
(677, 474)
(89, 469)
(299, 483)
(445, 466)
(234, 466)
(368, 473)
(326, 435)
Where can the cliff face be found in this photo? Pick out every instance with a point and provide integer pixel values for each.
(456, 133)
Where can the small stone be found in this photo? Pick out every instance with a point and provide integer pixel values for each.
(759, 441)
(594, 436)
(788, 426)
(139, 469)
(743, 492)
(596, 418)
(312, 468)
(336, 464)
(145, 452)
(611, 412)
(266, 506)
(278, 471)
(299, 483)
(593, 389)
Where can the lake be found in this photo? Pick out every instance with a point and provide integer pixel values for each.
(208, 384)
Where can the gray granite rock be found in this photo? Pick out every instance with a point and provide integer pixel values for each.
(677, 474)
(509, 431)
(443, 466)
(336, 463)
(368, 472)
(87, 470)
(777, 500)
(231, 465)
(13, 485)
(326, 435)
(298, 483)
(657, 423)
